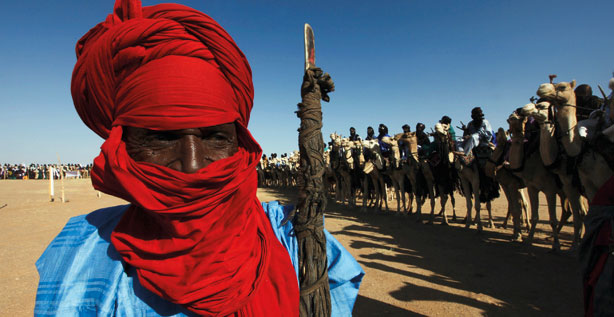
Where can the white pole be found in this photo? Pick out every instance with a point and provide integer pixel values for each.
(51, 193)
(61, 177)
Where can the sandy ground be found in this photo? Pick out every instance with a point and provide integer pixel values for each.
(411, 268)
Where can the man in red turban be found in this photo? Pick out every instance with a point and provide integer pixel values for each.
(171, 94)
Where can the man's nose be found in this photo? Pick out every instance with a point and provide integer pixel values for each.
(193, 156)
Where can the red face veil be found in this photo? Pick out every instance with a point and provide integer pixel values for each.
(200, 240)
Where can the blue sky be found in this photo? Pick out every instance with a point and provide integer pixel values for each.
(393, 62)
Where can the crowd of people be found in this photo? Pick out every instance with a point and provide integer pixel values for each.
(41, 171)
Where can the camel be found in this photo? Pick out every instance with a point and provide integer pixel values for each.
(558, 164)
(372, 170)
(529, 167)
(396, 173)
(593, 168)
(467, 169)
(470, 185)
(344, 170)
(512, 186)
(330, 179)
(444, 173)
(419, 174)
(340, 167)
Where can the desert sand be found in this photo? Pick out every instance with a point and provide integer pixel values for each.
(411, 268)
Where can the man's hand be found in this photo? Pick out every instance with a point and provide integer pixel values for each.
(315, 75)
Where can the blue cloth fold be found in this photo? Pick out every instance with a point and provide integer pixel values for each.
(344, 273)
(81, 273)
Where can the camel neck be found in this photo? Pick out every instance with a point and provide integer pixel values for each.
(566, 118)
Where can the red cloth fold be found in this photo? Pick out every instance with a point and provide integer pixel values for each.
(200, 240)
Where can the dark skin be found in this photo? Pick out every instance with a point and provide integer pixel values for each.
(185, 150)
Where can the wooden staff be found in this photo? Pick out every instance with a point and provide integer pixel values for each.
(309, 218)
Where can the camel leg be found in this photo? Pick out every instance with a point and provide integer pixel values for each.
(577, 208)
(348, 190)
(467, 193)
(508, 196)
(556, 246)
(397, 194)
(352, 191)
(377, 194)
(453, 201)
(443, 200)
(534, 201)
(365, 193)
(401, 192)
(384, 186)
(565, 213)
(338, 188)
(514, 203)
(524, 205)
(476, 204)
(410, 203)
(432, 197)
(491, 224)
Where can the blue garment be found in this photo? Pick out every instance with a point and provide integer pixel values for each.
(478, 136)
(81, 273)
(384, 147)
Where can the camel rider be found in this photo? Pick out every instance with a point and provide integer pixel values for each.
(353, 135)
(588, 112)
(370, 134)
(586, 102)
(355, 152)
(424, 143)
(592, 113)
(384, 148)
(446, 122)
(403, 147)
(477, 133)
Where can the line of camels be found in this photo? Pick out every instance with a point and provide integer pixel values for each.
(556, 159)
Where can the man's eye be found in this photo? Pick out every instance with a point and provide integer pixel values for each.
(217, 137)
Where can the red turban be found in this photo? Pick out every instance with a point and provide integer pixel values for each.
(200, 240)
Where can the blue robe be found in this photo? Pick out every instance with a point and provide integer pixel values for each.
(81, 273)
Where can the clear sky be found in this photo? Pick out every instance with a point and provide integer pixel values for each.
(393, 62)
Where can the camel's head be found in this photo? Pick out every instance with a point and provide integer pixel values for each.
(538, 111)
(372, 145)
(346, 143)
(440, 129)
(501, 136)
(558, 93)
(335, 138)
(542, 108)
(517, 123)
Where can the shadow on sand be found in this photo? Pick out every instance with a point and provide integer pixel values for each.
(484, 271)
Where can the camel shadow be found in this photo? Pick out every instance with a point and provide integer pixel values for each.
(454, 266)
